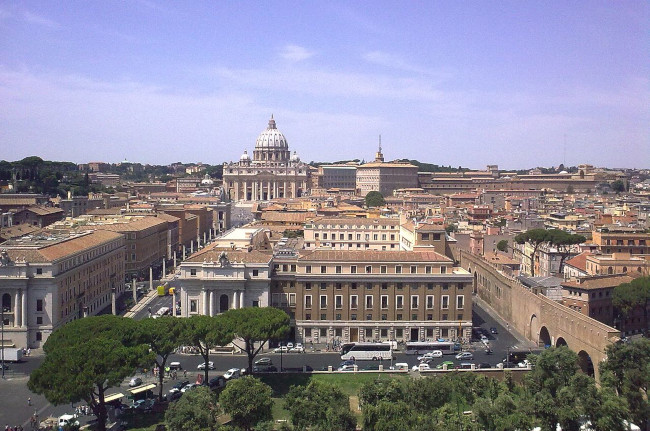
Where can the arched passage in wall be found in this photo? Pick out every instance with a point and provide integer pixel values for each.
(223, 303)
(560, 342)
(475, 283)
(586, 365)
(544, 337)
(533, 328)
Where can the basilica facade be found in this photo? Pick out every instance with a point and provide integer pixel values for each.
(272, 173)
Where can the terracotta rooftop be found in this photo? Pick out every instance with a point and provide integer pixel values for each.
(212, 255)
(579, 261)
(41, 210)
(598, 282)
(133, 225)
(358, 221)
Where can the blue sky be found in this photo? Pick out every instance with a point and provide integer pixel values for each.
(519, 84)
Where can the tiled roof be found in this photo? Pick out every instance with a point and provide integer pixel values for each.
(18, 230)
(133, 225)
(579, 261)
(41, 210)
(212, 255)
(599, 282)
(373, 256)
(350, 221)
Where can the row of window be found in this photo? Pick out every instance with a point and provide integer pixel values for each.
(375, 237)
(398, 316)
(384, 286)
(368, 332)
(369, 300)
(383, 269)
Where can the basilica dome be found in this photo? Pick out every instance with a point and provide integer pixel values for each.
(271, 138)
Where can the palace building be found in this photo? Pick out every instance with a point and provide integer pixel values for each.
(272, 172)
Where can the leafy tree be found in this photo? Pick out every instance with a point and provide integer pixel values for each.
(502, 245)
(389, 416)
(375, 199)
(248, 402)
(163, 336)
(451, 228)
(536, 237)
(317, 405)
(82, 364)
(206, 332)
(627, 372)
(195, 410)
(564, 241)
(618, 186)
(255, 324)
(628, 296)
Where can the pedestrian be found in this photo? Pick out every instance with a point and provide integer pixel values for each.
(29, 351)
(29, 402)
(184, 373)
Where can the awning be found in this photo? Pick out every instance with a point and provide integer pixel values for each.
(112, 397)
(142, 388)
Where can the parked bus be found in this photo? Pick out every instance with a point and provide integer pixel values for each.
(366, 351)
(422, 347)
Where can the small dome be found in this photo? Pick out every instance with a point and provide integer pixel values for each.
(207, 181)
(294, 157)
(271, 138)
(564, 172)
(245, 156)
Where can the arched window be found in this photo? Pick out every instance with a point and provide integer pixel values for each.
(610, 270)
(625, 269)
(6, 302)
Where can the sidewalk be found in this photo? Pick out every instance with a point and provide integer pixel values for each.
(526, 343)
(142, 303)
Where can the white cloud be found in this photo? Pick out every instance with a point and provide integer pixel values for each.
(40, 20)
(295, 53)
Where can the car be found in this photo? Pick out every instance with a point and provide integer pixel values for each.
(217, 382)
(464, 366)
(297, 349)
(174, 396)
(232, 373)
(493, 330)
(142, 405)
(465, 355)
(289, 346)
(347, 362)
(265, 369)
(281, 349)
(299, 345)
(201, 366)
(422, 367)
(136, 381)
(483, 365)
(450, 365)
(523, 364)
(372, 367)
(263, 361)
(507, 364)
(433, 354)
(346, 367)
(484, 337)
(175, 366)
(189, 387)
(429, 361)
(400, 366)
(68, 420)
(178, 386)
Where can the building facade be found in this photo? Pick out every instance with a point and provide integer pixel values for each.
(350, 233)
(272, 172)
(46, 282)
(385, 177)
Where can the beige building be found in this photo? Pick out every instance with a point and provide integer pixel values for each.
(47, 281)
(351, 233)
(385, 177)
(272, 173)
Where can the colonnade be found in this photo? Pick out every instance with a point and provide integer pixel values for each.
(213, 301)
(19, 307)
(265, 189)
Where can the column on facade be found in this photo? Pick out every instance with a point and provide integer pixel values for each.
(23, 308)
(285, 191)
(211, 303)
(236, 184)
(16, 302)
(205, 303)
(293, 189)
(241, 299)
(245, 190)
(268, 190)
(235, 300)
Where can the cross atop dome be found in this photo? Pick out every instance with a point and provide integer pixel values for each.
(271, 123)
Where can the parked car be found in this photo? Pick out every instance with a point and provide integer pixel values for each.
(484, 337)
(450, 365)
(233, 373)
(484, 365)
(297, 349)
(281, 349)
(175, 366)
(189, 387)
(201, 366)
(289, 345)
(523, 364)
(142, 405)
(263, 361)
(174, 396)
(464, 366)
(265, 369)
(434, 354)
(464, 355)
(347, 367)
(507, 364)
(400, 366)
(217, 382)
(371, 367)
(493, 330)
(68, 420)
(178, 386)
(136, 381)
(422, 367)
(347, 362)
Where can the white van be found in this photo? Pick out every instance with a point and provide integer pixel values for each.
(68, 420)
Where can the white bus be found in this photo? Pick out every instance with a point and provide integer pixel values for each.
(367, 351)
(422, 347)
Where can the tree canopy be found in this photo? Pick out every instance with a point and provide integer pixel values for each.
(206, 332)
(248, 402)
(502, 245)
(375, 199)
(321, 406)
(255, 325)
(195, 410)
(628, 296)
(561, 239)
(81, 364)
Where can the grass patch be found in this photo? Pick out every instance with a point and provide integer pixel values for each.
(143, 422)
